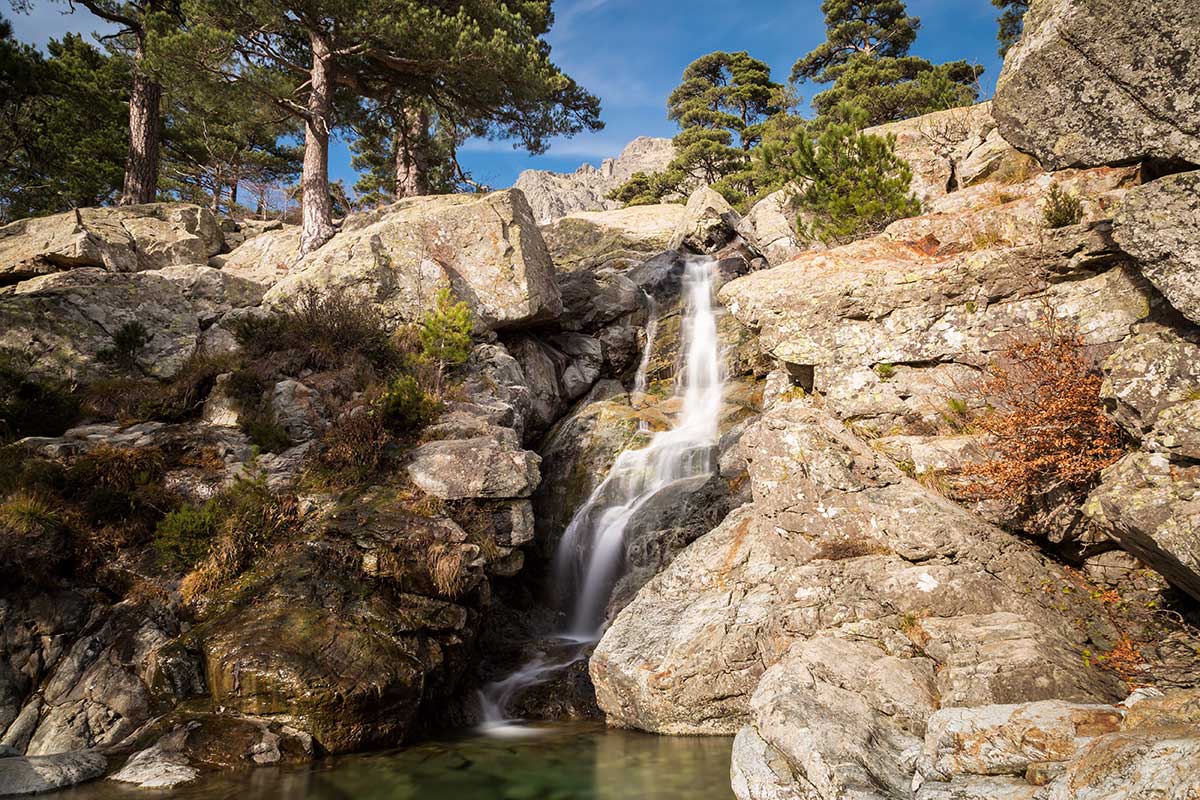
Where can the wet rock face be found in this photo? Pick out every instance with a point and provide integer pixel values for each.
(346, 635)
(80, 675)
(1102, 82)
(487, 249)
(1157, 225)
(185, 744)
(836, 543)
(117, 239)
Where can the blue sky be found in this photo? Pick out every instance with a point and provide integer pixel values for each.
(631, 53)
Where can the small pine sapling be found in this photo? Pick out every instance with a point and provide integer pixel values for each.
(446, 335)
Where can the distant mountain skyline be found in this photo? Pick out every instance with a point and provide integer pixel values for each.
(631, 54)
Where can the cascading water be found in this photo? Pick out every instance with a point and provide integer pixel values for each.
(591, 551)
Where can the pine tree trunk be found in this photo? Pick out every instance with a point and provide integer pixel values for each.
(141, 162)
(234, 182)
(316, 207)
(412, 166)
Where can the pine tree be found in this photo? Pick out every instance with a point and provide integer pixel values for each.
(1012, 22)
(865, 57)
(138, 22)
(218, 135)
(721, 105)
(49, 161)
(400, 153)
(481, 63)
(875, 28)
(849, 184)
(445, 335)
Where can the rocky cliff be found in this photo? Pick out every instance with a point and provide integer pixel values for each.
(553, 195)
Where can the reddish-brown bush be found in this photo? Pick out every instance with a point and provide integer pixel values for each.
(1047, 426)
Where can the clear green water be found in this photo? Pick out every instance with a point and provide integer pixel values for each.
(567, 762)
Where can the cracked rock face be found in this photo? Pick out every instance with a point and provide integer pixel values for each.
(64, 320)
(1158, 225)
(120, 239)
(485, 248)
(1103, 82)
(838, 545)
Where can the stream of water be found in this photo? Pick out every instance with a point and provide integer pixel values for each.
(591, 551)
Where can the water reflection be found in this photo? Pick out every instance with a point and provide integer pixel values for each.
(575, 761)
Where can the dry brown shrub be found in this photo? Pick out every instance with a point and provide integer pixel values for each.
(1046, 422)
(255, 518)
(842, 549)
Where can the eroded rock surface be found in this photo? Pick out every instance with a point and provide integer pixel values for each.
(486, 248)
(1071, 95)
(1157, 224)
(117, 239)
(64, 321)
(837, 542)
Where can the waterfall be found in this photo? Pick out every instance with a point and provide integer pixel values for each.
(639, 380)
(591, 552)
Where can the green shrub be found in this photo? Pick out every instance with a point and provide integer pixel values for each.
(33, 536)
(354, 449)
(853, 184)
(265, 433)
(184, 536)
(445, 335)
(1062, 209)
(128, 341)
(30, 406)
(405, 406)
(885, 371)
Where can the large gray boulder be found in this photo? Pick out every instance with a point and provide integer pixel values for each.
(619, 238)
(1159, 225)
(1103, 82)
(65, 320)
(485, 248)
(1148, 502)
(491, 466)
(839, 543)
(553, 195)
(709, 223)
(119, 239)
(266, 259)
(770, 228)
